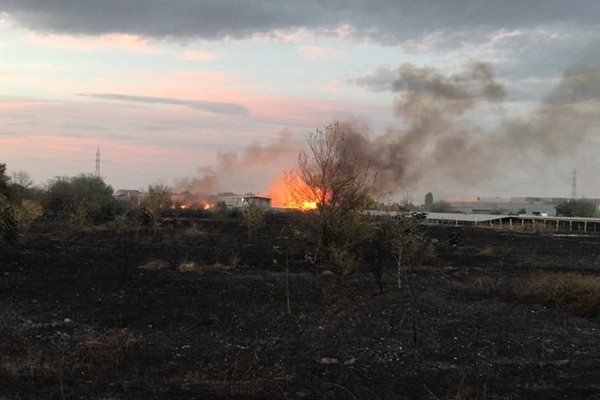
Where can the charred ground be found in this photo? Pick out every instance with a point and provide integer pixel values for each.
(79, 318)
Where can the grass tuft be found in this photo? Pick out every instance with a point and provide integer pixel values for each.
(155, 265)
(204, 269)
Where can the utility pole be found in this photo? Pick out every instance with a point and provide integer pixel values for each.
(97, 173)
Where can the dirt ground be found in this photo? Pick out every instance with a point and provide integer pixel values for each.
(80, 319)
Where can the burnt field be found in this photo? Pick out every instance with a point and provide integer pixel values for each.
(192, 310)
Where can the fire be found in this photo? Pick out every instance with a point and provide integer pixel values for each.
(193, 205)
(308, 205)
(281, 196)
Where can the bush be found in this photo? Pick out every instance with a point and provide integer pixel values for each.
(83, 195)
(253, 218)
(156, 203)
(28, 212)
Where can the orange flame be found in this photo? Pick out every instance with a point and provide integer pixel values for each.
(282, 197)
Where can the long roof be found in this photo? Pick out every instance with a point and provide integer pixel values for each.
(464, 217)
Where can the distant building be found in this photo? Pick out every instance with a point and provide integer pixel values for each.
(501, 205)
(229, 199)
(262, 202)
(233, 200)
(428, 201)
(131, 197)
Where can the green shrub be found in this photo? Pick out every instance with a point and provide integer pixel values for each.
(82, 194)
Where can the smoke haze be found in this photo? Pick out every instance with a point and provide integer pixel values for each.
(441, 137)
(441, 143)
(248, 171)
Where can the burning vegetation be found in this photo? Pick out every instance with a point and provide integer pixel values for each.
(299, 198)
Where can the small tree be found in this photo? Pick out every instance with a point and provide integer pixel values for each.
(4, 179)
(22, 178)
(157, 201)
(410, 248)
(83, 194)
(334, 179)
(253, 218)
(395, 244)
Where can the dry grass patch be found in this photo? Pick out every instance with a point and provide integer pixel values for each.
(155, 265)
(204, 269)
(576, 292)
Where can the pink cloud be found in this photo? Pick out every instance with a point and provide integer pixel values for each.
(266, 108)
(318, 52)
(111, 41)
(15, 104)
(122, 164)
(199, 56)
(142, 145)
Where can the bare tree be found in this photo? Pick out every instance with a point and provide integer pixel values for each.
(22, 178)
(332, 176)
(158, 199)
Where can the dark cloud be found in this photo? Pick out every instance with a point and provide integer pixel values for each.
(213, 107)
(383, 20)
(529, 63)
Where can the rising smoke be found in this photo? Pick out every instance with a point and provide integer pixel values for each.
(441, 137)
(248, 171)
(441, 141)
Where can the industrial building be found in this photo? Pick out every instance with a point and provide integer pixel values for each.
(233, 200)
(541, 206)
(132, 197)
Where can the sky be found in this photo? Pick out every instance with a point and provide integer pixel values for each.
(175, 91)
